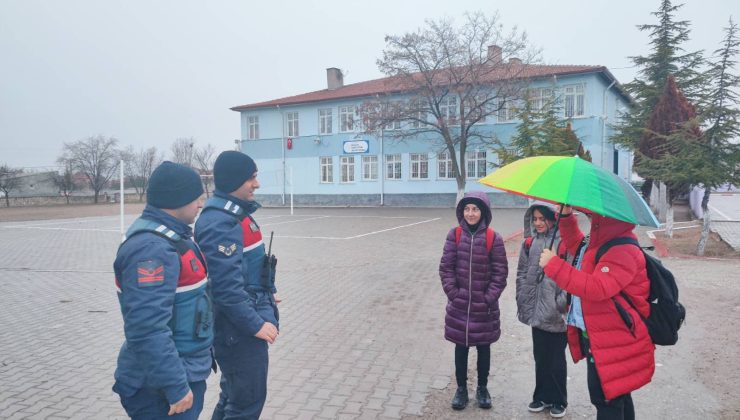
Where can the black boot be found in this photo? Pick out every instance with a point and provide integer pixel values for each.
(461, 398)
(483, 397)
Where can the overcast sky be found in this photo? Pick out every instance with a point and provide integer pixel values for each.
(148, 72)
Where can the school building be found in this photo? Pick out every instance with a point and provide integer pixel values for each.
(312, 145)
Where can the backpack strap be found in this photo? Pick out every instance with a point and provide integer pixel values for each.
(489, 237)
(614, 242)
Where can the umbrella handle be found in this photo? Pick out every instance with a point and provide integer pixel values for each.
(541, 275)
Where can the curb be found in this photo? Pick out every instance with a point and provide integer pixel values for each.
(514, 235)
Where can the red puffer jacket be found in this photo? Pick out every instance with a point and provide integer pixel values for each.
(624, 359)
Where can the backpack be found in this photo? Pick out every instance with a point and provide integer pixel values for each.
(528, 244)
(666, 312)
(489, 237)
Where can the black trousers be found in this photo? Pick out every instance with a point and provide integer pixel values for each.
(620, 408)
(551, 370)
(461, 364)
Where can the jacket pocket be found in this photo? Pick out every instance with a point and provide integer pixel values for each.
(625, 316)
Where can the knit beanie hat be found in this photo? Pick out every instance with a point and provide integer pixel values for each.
(232, 169)
(172, 186)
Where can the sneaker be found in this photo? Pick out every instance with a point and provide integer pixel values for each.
(537, 406)
(557, 411)
(483, 397)
(460, 400)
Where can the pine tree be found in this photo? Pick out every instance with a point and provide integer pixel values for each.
(721, 117)
(667, 57)
(671, 148)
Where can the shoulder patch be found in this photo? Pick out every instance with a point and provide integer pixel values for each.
(150, 273)
(604, 269)
(227, 250)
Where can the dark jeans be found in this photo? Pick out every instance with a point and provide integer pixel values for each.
(461, 364)
(620, 408)
(150, 404)
(550, 368)
(243, 379)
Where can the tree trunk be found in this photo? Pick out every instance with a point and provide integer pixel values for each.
(460, 189)
(7, 200)
(663, 202)
(669, 221)
(705, 222)
(141, 197)
(66, 196)
(95, 199)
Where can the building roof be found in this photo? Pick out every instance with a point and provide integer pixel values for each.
(388, 85)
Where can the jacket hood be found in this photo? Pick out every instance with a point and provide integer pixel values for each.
(529, 229)
(480, 199)
(605, 228)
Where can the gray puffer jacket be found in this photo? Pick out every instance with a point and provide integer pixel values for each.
(541, 304)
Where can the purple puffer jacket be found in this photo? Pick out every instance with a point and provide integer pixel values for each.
(472, 280)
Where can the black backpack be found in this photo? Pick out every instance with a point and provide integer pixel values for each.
(666, 312)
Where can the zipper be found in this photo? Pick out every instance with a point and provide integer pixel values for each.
(470, 289)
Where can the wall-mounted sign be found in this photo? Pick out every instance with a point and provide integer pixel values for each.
(356, 146)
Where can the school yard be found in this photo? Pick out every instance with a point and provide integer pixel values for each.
(361, 322)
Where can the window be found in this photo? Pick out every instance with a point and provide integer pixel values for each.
(540, 99)
(574, 101)
(392, 111)
(476, 164)
(474, 108)
(393, 166)
(418, 114)
(346, 118)
(291, 120)
(326, 169)
(254, 128)
(445, 166)
(419, 166)
(448, 109)
(325, 122)
(507, 111)
(347, 168)
(369, 168)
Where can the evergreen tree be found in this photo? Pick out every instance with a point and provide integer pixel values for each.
(721, 118)
(666, 57)
(671, 148)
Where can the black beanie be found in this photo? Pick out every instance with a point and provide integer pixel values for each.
(172, 186)
(232, 169)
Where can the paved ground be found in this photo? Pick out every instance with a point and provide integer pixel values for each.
(361, 324)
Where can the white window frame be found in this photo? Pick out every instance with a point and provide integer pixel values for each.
(346, 169)
(392, 109)
(540, 99)
(394, 163)
(253, 127)
(475, 164)
(421, 115)
(444, 166)
(507, 113)
(347, 119)
(369, 167)
(325, 120)
(291, 123)
(574, 100)
(448, 110)
(419, 166)
(326, 170)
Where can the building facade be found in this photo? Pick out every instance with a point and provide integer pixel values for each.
(313, 147)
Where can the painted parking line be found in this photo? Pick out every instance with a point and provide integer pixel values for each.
(375, 232)
(716, 210)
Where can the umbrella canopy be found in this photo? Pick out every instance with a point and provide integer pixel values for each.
(573, 181)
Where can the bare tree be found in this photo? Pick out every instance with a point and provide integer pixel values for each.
(65, 180)
(96, 158)
(204, 158)
(183, 151)
(9, 181)
(445, 80)
(139, 167)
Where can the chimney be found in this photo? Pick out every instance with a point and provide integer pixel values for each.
(334, 78)
(514, 60)
(494, 54)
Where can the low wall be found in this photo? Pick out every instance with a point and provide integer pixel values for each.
(391, 200)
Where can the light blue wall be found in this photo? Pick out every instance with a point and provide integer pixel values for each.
(269, 150)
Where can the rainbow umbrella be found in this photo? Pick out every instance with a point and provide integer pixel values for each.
(573, 181)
